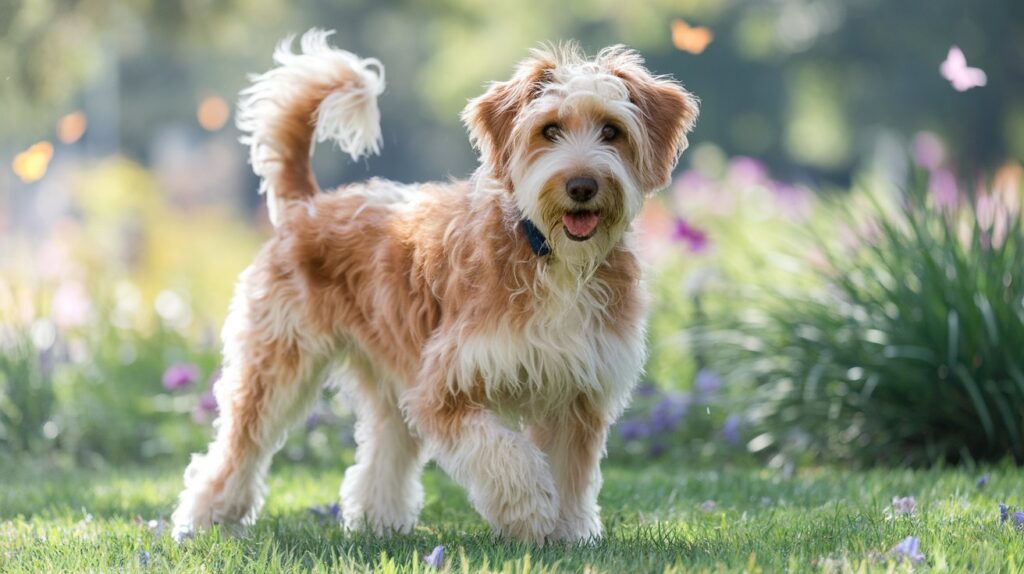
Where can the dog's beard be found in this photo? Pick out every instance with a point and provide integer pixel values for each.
(540, 193)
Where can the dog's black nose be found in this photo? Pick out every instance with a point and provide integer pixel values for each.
(581, 189)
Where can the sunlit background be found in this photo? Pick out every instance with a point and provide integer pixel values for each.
(838, 264)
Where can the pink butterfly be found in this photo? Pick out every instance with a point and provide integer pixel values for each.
(962, 77)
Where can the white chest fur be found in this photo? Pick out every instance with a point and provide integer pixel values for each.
(566, 348)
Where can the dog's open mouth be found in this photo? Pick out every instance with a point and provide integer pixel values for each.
(580, 225)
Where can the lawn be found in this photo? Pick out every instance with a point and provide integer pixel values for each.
(658, 519)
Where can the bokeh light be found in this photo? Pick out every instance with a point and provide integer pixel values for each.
(212, 113)
(692, 39)
(72, 127)
(30, 165)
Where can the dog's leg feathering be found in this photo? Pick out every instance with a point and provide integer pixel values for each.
(272, 373)
(319, 92)
(506, 476)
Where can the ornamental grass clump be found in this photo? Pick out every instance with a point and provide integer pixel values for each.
(908, 344)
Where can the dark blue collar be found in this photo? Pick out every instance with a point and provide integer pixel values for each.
(538, 243)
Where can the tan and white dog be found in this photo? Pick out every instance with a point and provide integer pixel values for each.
(495, 325)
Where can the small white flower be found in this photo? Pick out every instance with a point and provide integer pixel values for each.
(156, 527)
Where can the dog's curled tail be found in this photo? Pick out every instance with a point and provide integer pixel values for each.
(320, 92)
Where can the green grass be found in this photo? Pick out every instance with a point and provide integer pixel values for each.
(817, 520)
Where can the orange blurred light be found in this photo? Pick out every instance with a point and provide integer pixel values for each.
(71, 127)
(212, 113)
(690, 39)
(1007, 185)
(30, 165)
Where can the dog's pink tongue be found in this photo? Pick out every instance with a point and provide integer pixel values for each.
(580, 224)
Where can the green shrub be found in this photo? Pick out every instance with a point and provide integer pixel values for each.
(909, 345)
(26, 396)
(106, 391)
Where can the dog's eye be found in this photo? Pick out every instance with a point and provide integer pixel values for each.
(609, 132)
(551, 132)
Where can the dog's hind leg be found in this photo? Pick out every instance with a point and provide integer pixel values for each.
(381, 491)
(271, 376)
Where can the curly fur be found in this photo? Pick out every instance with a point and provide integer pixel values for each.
(461, 344)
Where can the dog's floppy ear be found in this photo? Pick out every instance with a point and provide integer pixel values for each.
(668, 112)
(491, 117)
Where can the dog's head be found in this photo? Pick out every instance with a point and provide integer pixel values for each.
(581, 142)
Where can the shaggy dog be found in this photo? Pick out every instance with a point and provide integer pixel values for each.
(495, 325)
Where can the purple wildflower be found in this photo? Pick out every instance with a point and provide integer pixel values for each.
(982, 481)
(332, 511)
(646, 389)
(903, 506)
(942, 186)
(206, 407)
(436, 558)
(180, 376)
(634, 429)
(1010, 513)
(747, 170)
(928, 151)
(791, 200)
(313, 420)
(207, 402)
(669, 412)
(731, 429)
(143, 558)
(692, 181)
(707, 382)
(708, 506)
(910, 549)
(1017, 518)
(695, 239)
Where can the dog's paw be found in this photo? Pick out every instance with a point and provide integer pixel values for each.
(365, 507)
(380, 524)
(528, 512)
(582, 530)
(199, 509)
(186, 520)
(182, 532)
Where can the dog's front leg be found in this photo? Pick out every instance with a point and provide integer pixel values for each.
(506, 476)
(574, 441)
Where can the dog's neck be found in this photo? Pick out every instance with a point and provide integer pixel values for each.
(535, 237)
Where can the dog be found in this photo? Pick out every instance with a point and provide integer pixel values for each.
(495, 325)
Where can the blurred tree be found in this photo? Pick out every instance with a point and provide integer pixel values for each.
(805, 84)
